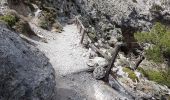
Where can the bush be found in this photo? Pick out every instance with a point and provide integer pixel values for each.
(9, 19)
(160, 77)
(159, 37)
(131, 74)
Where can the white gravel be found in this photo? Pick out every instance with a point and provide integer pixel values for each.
(64, 51)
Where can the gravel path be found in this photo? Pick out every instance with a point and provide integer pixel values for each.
(64, 50)
(67, 57)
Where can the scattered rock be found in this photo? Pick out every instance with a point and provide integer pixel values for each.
(97, 61)
(119, 71)
(92, 54)
(122, 61)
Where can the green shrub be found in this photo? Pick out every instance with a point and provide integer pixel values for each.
(131, 74)
(9, 19)
(154, 54)
(159, 37)
(161, 77)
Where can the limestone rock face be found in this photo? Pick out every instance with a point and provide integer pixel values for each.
(110, 17)
(127, 13)
(25, 73)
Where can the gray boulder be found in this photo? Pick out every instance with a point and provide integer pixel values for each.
(25, 73)
(99, 73)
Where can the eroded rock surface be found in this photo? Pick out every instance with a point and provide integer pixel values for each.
(25, 73)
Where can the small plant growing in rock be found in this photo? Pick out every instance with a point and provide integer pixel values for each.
(131, 74)
(159, 38)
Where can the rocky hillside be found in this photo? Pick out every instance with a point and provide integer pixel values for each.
(142, 25)
(106, 16)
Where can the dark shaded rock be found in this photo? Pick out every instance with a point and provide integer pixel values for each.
(25, 73)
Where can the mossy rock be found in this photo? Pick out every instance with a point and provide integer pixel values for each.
(161, 77)
(131, 74)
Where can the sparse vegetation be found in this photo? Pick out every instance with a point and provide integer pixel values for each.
(131, 73)
(159, 38)
(9, 19)
(48, 17)
(23, 27)
(161, 77)
(47, 20)
(43, 24)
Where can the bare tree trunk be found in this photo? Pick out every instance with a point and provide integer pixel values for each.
(139, 60)
(109, 68)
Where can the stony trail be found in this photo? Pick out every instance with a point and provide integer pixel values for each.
(67, 56)
(64, 51)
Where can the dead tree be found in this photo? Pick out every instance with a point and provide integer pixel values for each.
(109, 68)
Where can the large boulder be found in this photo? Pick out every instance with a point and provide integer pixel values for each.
(25, 73)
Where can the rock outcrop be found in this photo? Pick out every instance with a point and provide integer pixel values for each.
(116, 18)
(25, 73)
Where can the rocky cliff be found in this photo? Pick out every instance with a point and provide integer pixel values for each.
(106, 18)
